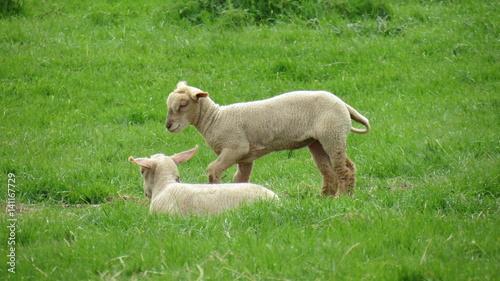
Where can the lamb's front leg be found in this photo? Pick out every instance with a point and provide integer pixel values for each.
(243, 173)
(227, 158)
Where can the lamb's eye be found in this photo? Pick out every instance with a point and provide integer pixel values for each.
(183, 105)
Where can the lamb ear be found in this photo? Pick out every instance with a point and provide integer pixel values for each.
(201, 95)
(181, 84)
(196, 93)
(143, 162)
(184, 156)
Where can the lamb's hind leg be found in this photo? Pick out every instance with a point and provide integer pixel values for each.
(324, 165)
(243, 173)
(350, 165)
(343, 168)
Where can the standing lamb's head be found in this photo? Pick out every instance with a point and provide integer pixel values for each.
(183, 107)
(160, 169)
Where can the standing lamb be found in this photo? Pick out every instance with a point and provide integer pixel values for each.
(242, 132)
(167, 194)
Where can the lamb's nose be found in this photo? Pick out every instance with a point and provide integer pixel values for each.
(168, 125)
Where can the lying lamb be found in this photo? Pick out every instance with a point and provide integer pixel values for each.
(161, 184)
(242, 132)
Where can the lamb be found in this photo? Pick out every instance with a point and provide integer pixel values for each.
(167, 194)
(243, 132)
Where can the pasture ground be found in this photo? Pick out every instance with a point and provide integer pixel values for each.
(83, 87)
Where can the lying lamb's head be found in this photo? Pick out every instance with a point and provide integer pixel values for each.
(183, 107)
(161, 169)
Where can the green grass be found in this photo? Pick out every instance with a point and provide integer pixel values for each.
(83, 88)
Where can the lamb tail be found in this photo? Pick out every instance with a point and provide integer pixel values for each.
(360, 119)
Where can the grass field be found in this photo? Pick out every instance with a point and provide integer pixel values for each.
(83, 87)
